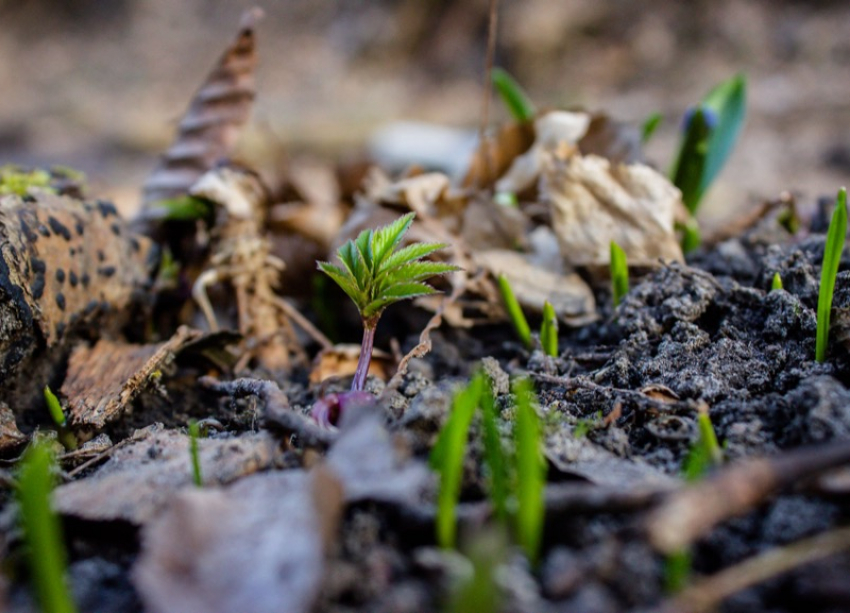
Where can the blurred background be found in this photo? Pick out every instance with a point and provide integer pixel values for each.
(99, 86)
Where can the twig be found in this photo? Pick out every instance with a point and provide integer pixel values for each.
(694, 511)
(706, 594)
(303, 323)
(483, 141)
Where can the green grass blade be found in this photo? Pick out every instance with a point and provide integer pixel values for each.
(531, 471)
(42, 532)
(54, 407)
(512, 94)
(706, 451)
(494, 455)
(688, 171)
(831, 258)
(776, 283)
(650, 125)
(677, 571)
(194, 434)
(447, 459)
(520, 323)
(729, 102)
(549, 330)
(619, 273)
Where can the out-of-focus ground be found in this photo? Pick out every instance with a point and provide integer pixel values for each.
(99, 85)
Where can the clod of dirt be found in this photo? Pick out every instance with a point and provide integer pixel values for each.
(104, 379)
(139, 480)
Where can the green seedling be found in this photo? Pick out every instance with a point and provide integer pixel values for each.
(42, 533)
(512, 94)
(495, 460)
(677, 571)
(66, 437)
(776, 283)
(650, 125)
(829, 269)
(194, 435)
(619, 273)
(517, 317)
(447, 459)
(375, 274)
(531, 471)
(185, 208)
(549, 330)
(16, 180)
(706, 451)
(479, 591)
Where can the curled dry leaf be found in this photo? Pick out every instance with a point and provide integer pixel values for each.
(511, 141)
(104, 379)
(64, 265)
(10, 436)
(594, 203)
(141, 478)
(213, 121)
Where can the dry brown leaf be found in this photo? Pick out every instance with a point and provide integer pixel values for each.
(569, 294)
(510, 142)
(657, 391)
(616, 141)
(213, 121)
(10, 436)
(341, 361)
(141, 478)
(104, 379)
(64, 265)
(594, 202)
(253, 547)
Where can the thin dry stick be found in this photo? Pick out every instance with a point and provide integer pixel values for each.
(706, 594)
(483, 141)
(302, 322)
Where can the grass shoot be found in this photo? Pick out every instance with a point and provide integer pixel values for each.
(650, 125)
(549, 330)
(66, 437)
(517, 317)
(194, 435)
(706, 451)
(447, 459)
(516, 100)
(677, 571)
(776, 283)
(829, 269)
(376, 274)
(619, 273)
(42, 532)
(499, 478)
(531, 471)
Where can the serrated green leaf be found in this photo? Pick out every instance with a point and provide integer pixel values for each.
(396, 293)
(364, 246)
(353, 260)
(345, 281)
(411, 253)
(386, 239)
(414, 271)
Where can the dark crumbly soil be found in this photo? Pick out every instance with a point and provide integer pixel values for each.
(709, 332)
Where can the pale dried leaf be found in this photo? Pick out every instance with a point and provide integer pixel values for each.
(139, 480)
(104, 379)
(253, 547)
(10, 436)
(594, 202)
(213, 121)
(509, 143)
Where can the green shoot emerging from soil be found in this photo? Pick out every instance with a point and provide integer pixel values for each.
(831, 258)
(619, 273)
(677, 571)
(518, 320)
(42, 533)
(706, 451)
(375, 274)
(66, 437)
(549, 330)
(531, 471)
(512, 94)
(650, 125)
(447, 458)
(194, 434)
(776, 283)
(15, 180)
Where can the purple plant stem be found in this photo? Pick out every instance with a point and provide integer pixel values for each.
(359, 382)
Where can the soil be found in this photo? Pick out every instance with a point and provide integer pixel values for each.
(297, 517)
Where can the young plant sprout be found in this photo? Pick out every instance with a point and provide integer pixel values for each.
(66, 437)
(776, 283)
(194, 434)
(42, 532)
(512, 94)
(706, 451)
(530, 471)
(517, 317)
(650, 125)
(375, 275)
(549, 330)
(619, 273)
(831, 257)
